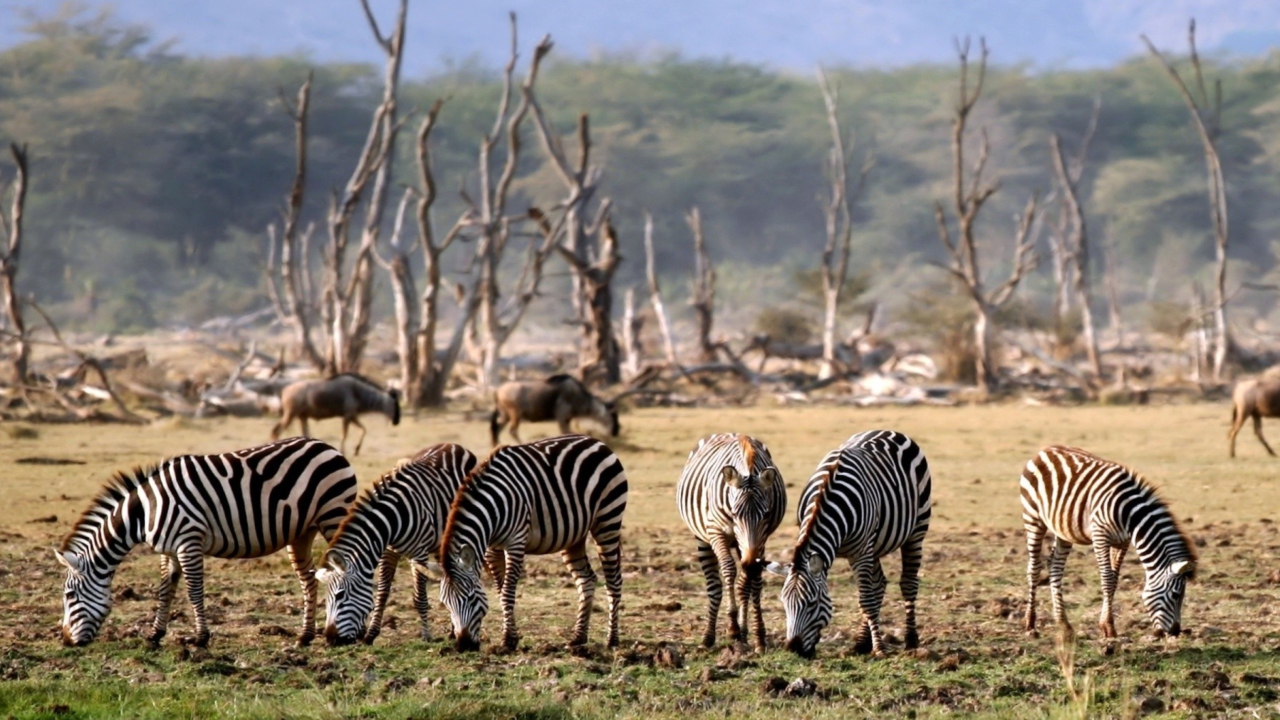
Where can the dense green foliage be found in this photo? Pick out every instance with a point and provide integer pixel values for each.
(154, 175)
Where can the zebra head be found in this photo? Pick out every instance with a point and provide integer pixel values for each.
(806, 600)
(749, 499)
(86, 599)
(1163, 593)
(349, 599)
(462, 594)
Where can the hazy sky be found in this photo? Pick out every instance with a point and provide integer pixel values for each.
(794, 34)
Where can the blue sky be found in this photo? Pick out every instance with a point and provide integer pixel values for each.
(788, 34)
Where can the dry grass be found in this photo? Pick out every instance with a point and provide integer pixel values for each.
(975, 660)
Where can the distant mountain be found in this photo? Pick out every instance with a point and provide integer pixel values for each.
(791, 34)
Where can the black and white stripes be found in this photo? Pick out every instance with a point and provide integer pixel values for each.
(1085, 500)
(732, 497)
(243, 504)
(868, 498)
(403, 514)
(543, 497)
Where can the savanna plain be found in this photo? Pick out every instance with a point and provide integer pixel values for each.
(975, 658)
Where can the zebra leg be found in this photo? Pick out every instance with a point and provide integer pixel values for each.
(304, 567)
(871, 585)
(1102, 550)
(514, 568)
(1035, 547)
(1057, 567)
(715, 590)
(170, 573)
(575, 557)
(495, 560)
(191, 561)
(728, 562)
(753, 582)
(1117, 557)
(912, 551)
(421, 600)
(609, 548)
(386, 574)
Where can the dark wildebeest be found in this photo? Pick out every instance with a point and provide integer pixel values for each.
(1254, 399)
(345, 396)
(559, 397)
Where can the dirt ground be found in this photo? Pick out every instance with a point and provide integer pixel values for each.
(975, 658)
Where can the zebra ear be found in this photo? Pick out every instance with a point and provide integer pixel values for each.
(325, 575)
(335, 563)
(778, 568)
(467, 557)
(731, 477)
(1182, 567)
(69, 560)
(769, 477)
(816, 564)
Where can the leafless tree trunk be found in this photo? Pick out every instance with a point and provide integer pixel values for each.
(839, 225)
(1113, 292)
(348, 300)
(1206, 115)
(632, 324)
(298, 303)
(655, 292)
(703, 293)
(403, 294)
(1072, 235)
(10, 254)
(969, 196)
(500, 321)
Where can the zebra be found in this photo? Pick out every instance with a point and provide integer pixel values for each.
(542, 497)
(732, 497)
(401, 515)
(867, 498)
(243, 504)
(1085, 500)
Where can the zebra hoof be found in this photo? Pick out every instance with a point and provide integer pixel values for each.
(510, 643)
(878, 654)
(369, 637)
(708, 641)
(305, 639)
(912, 640)
(1033, 634)
(863, 645)
(613, 641)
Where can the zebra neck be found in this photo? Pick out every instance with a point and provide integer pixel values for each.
(1157, 539)
(106, 534)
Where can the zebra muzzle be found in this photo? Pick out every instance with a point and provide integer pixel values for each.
(796, 645)
(333, 638)
(465, 643)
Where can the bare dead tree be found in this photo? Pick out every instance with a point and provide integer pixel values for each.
(632, 325)
(500, 320)
(10, 255)
(1072, 236)
(403, 294)
(1110, 273)
(970, 194)
(292, 295)
(1060, 251)
(839, 223)
(348, 300)
(702, 297)
(1206, 116)
(655, 292)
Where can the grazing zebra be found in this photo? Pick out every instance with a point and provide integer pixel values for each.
(403, 514)
(534, 499)
(345, 396)
(868, 498)
(732, 497)
(1085, 500)
(242, 504)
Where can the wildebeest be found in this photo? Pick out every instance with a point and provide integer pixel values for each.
(345, 396)
(1255, 398)
(559, 397)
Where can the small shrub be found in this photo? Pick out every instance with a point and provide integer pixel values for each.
(784, 325)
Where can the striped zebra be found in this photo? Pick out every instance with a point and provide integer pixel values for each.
(868, 498)
(534, 499)
(1085, 500)
(403, 514)
(732, 497)
(242, 504)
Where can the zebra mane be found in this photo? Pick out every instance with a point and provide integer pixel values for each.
(114, 492)
(447, 536)
(1153, 492)
(370, 495)
(811, 520)
(748, 452)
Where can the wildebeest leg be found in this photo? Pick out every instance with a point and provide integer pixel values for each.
(306, 427)
(515, 425)
(356, 421)
(286, 419)
(1257, 430)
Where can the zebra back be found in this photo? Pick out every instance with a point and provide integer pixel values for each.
(875, 490)
(726, 483)
(247, 503)
(558, 489)
(405, 509)
(1072, 490)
